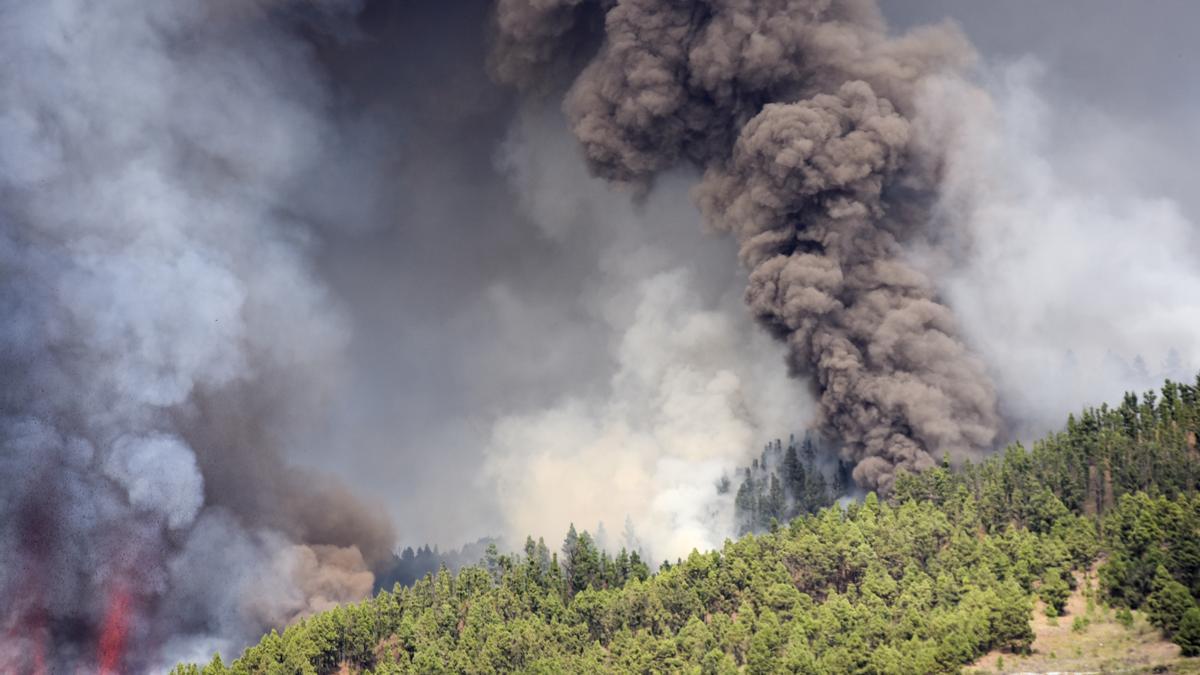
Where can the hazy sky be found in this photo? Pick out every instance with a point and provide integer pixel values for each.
(1135, 63)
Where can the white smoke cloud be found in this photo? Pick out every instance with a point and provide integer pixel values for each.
(1069, 272)
(158, 473)
(686, 406)
(694, 388)
(149, 262)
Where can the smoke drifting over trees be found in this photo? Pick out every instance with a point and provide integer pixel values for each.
(800, 114)
(285, 282)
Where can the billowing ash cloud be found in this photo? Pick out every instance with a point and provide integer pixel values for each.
(801, 114)
(693, 384)
(243, 238)
(159, 318)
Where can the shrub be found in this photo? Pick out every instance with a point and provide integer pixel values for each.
(1054, 591)
(1188, 635)
(1168, 603)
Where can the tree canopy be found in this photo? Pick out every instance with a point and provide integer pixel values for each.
(941, 571)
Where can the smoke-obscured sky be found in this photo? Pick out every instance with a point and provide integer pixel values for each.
(1094, 226)
(246, 243)
(487, 279)
(492, 280)
(1130, 65)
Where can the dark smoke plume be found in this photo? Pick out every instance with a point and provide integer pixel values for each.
(800, 113)
(239, 237)
(160, 322)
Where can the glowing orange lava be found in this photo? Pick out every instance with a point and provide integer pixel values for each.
(113, 632)
(39, 657)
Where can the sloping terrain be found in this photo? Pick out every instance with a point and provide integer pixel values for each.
(1102, 646)
(953, 570)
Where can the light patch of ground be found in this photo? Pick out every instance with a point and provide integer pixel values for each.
(1104, 646)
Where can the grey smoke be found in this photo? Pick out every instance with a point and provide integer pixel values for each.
(693, 385)
(151, 277)
(1094, 275)
(366, 258)
(479, 292)
(800, 114)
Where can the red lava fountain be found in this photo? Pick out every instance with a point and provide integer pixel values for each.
(39, 656)
(113, 632)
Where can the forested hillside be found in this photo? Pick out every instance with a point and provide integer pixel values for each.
(784, 482)
(943, 570)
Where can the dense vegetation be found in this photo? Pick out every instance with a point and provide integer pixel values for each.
(942, 571)
(783, 483)
(412, 564)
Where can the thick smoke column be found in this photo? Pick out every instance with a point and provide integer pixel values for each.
(159, 319)
(801, 114)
